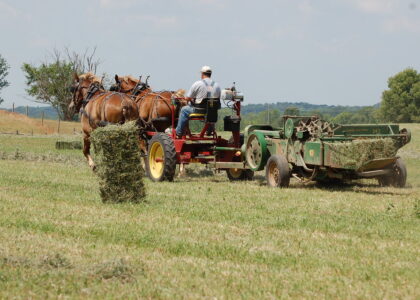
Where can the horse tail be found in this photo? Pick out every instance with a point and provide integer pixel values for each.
(126, 112)
(128, 108)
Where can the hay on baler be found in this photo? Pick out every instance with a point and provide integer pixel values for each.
(354, 154)
(118, 163)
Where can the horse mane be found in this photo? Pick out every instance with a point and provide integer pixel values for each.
(91, 77)
(129, 78)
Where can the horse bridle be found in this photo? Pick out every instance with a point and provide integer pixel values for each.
(92, 89)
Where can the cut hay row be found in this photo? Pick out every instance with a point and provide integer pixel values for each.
(62, 145)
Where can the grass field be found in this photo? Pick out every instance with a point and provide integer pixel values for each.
(14, 122)
(201, 237)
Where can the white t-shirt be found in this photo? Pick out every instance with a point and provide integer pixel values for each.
(205, 88)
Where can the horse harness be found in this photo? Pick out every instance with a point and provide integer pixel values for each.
(93, 89)
(154, 110)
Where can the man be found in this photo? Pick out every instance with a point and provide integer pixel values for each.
(204, 88)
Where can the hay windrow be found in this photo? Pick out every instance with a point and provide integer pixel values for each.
(356, 153)
(118, 161)
(69, 143)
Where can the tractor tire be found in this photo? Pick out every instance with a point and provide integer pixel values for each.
(398, 176)
(277, 171)
(161, 158)
(240, 174)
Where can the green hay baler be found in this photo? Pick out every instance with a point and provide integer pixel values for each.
(309, 148)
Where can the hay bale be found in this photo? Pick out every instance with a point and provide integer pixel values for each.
(118, 161)
(357, 153)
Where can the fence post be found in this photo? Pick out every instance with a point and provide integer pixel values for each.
(58, 129)
(13, 107)
(42, 118)
(27, 111)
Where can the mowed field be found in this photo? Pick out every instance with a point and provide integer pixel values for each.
(11, 123)
(201, 236)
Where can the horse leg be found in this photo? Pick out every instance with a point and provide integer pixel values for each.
(182, 172)
(86, 151)
(143, 150)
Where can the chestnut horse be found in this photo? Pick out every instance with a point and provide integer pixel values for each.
(99, 108)
(155, 108)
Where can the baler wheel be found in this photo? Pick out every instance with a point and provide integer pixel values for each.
(398, 176)
(277, 171)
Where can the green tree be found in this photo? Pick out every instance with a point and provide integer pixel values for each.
(4, 71)
(343, 118)
(49, 82)
(292, 111)
(401, 102)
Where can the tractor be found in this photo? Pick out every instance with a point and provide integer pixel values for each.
(166, 150)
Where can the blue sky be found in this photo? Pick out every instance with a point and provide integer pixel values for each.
(324, 52)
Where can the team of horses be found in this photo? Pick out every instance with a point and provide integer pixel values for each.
(129, 99)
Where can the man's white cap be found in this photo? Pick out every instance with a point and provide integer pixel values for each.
(206, 69)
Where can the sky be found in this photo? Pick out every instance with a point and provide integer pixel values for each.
(336, 52)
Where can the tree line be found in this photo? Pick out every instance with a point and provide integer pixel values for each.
(49, 81)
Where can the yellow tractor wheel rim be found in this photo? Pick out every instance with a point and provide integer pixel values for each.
(235, 173)
(156, 159)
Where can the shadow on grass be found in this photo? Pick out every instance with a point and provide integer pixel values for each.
(338, 186)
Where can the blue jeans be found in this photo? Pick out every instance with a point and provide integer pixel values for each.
(184, 115)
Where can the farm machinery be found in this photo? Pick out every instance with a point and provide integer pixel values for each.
(310, 149)
(305, 147)
(165, 150)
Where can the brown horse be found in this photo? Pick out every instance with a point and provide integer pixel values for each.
(99, 108)
(155, 108)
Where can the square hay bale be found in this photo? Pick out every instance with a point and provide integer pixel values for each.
(355, 154)
(118, 163)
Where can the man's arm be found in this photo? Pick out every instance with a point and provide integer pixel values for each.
(192, 92)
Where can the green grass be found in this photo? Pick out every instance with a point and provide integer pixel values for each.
(203, 237)
(39, 148)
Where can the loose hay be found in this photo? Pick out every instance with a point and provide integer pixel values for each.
(357, 153)
(118, 162)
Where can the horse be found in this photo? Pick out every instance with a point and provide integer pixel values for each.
(99, 108)
(155, 108)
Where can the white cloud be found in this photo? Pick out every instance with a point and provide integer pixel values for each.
(375, 6)
(6, 10)
(306, 8)
(402, 24)
(337, 45)
(252, 44)
(208, 3)
(158, 22)
(110, 4)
